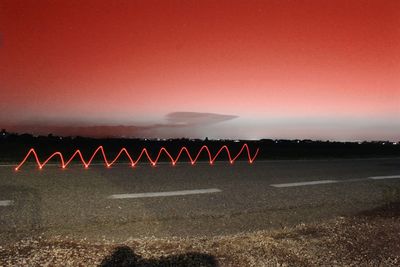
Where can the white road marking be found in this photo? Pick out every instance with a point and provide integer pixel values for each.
(305, 183)
(335, 181)
(384, 177)
(8, 165)
(166, 194)
(352, 180)
(5, 203)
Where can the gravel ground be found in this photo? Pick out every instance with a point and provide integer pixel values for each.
(368, 239)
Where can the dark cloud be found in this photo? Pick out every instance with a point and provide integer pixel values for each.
(171, 128)
(196, 118)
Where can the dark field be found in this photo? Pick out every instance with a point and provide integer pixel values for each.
(14, 147)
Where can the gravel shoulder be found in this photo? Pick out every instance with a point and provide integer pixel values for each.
(371, 238)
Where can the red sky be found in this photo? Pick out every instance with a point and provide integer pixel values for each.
(246, 69)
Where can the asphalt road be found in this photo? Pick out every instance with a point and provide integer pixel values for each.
(122, 202)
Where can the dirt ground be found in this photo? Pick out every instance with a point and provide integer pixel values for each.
(368, 239)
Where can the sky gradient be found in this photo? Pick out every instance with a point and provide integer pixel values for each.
(222, 69)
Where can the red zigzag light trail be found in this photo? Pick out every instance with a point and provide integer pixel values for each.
(144, 151)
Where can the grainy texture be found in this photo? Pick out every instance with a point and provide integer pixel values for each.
(75, 202)
(368, 239)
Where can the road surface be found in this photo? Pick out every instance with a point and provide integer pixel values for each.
(122, 202)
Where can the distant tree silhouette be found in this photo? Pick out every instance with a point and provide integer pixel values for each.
(13, 147)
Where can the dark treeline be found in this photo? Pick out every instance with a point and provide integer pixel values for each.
(13, 147)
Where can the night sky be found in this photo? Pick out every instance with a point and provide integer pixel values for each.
(221, 69)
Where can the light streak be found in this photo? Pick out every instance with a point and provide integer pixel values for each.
(144, 152)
